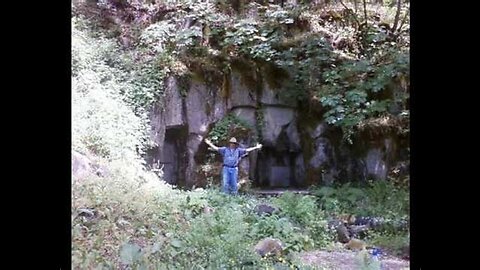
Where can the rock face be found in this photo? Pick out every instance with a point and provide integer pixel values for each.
(174, 116)
(186, 122)
(297, 152)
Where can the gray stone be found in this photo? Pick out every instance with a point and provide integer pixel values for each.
(320, 155)
(196, 102)
(343, 235)
(281, 161)
(208, 210)
(299, 169)
(157, 123)
(244, 169)
(204, 106)
(252, 160)
(293, 137)
(271, 96)
(240, 94)
(264, 209)
(246, 114)
(169, 159)
(193, 142)
(269, 247)
(173, 104)
(279, 176)
(318, 131)
(219, 107)
(358, 231)
(81, 165)
(275, 120)
(102, 171)
(375, 163)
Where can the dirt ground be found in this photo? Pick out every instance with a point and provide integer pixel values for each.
(346, 260)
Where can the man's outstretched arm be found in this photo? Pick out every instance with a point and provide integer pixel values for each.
(207, 141)
(258, 146)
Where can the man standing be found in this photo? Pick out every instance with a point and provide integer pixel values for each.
(231, 157)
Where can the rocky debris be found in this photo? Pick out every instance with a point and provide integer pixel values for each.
(358, 231)
(208, 210)
(84, 212)
(349, 226)
(269, 247)
(264, 209)
(87, 216)
(343, 235)
(82, 166)
(362, 223)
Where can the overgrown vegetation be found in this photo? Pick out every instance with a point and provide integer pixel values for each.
(106, 123)
(155, 226)
(123, 51)
(379, 198)
(384, 200)
(350, 60)
(230, 126)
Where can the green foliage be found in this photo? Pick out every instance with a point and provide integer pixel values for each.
(173, 232)
(228, 127)
(218, 240)
(139, 221)
(208, 23)
(304, 210)
(193, 205)
(350, 89)
(284, 229)
(130, 254)
(154, 60)
(260, 123)
(395, 243)
(158, 37)
(349, 92)
(146, 223)
(301, 209)
(256, 39)
(104, 123)
(379, 198)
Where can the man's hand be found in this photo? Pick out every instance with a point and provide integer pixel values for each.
(207, 141)
(259, 146)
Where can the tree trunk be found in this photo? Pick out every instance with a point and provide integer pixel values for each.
(397, 16)
(403, 20)
(365, 10)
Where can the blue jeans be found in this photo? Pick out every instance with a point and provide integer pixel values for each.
(229, 183)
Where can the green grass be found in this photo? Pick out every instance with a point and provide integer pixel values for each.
(376, 199)
(151, 225)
